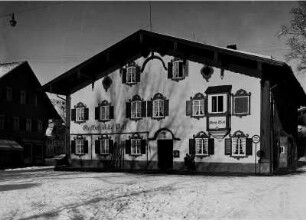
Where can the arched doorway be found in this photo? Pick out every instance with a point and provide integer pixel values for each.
(164, 138)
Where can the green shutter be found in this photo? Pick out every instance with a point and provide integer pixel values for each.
(228, 146)
(86, 113)
(170, 70)
(123, 72)
(249, 146)
(186, 64)
(143, 109)
(73, 114)
(191, 146)
(97, 146)
(189, 108)
(86, 146)
(149, 108)
(111, 146)
(128, 146)
(111, 112)
(181, 69)
(166, 107)
(72, 146)
(97, 113)
(128, 110)
(211, 146)
(143, 146)
(137, 74)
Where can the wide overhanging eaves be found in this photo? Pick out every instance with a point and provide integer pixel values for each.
(142, 43)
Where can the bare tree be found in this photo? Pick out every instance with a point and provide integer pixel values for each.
(295, 35)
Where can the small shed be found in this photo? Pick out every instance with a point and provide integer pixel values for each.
(11, 154)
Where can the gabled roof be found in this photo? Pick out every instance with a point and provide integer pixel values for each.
(5, 68)
(142, 42)
(15, 67)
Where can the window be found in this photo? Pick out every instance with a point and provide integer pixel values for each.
(177, 69)
(238, 145)
(35, 100)
(9, 94)
(201, 145)
(135, 146)
(218, 99)
(196, 106)
(103, 145)
(130, 74)
(23, 97)
(136, 108)
(28, 124)
(39, 126)
(104, 112)
(241, 103)
(2, 118)
(79, 146)
(80, 113)
(16, 123)
(158, 108)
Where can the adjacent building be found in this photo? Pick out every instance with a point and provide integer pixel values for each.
(150, 100)
(24, 112)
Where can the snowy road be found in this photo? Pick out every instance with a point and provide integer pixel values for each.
(46, 194)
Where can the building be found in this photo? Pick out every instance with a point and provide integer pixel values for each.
(149, 100)
(55, 139)
(24, 111)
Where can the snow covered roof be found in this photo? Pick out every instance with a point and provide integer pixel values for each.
(8, 145)
(5, 68)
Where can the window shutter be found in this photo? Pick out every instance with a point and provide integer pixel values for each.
(27, 94)
(137, 73)
(111, 146)
(211, 146)
(149, 108)
(181, 70)
(248, 146)
(72, 145)
(97, 113)
(143, 108)
(228, 146)
(128, 110)
(170, 70)
(123, 71)
(166, 107)
(97, 146)
(186, 68)
(189, 108)
(191, 146)
(86, 113)
(206, 105)
(73, 114)
(143, 146)
(86, 146)
(128, 146)
(111, 112)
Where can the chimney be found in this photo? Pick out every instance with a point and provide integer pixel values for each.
(232, 46)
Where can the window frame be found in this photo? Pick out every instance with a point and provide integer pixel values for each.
(237, 147)
(9, 93)
(241, 93)
(23, 97)
(79, 146)
(39, 126)
(203, 146)
(103, 149)
(163, 111)
(176, 68)
(106, 109)
(136, 108)
(131, 74)
(224, 103)
(159, 109)
(137, 146)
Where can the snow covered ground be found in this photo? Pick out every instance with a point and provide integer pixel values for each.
(46, 194)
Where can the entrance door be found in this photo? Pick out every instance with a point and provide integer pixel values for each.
(165, 154)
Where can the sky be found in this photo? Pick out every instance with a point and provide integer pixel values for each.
(56, 36)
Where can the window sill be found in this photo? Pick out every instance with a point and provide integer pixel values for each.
(241, 115)
(81, 154)
(135, 119)
(104, 155)
(80, 122)
(177, 79)
(238, 157)
(202, 155)
(104, 120)
(158, 118)
(130, 83)
(135, 155)
(198, 116)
